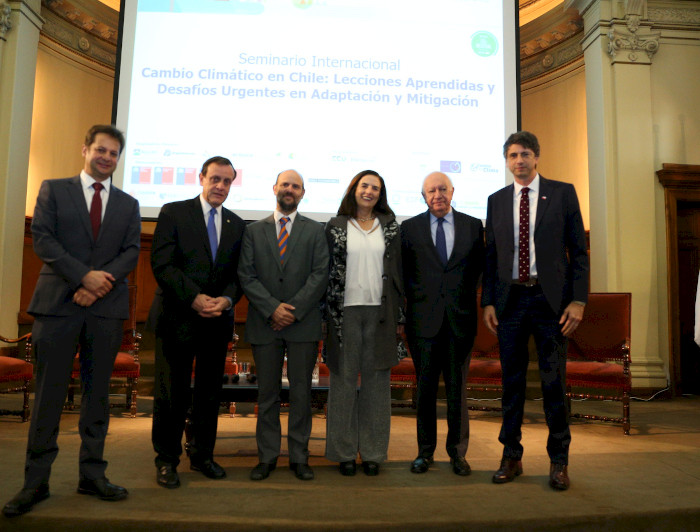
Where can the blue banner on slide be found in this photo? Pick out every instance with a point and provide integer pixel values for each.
(222, 7)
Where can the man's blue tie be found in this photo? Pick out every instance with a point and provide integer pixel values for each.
(211, 231)
(440, 242)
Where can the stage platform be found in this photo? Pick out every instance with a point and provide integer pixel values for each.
(649, 480)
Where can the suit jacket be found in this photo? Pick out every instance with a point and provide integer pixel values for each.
(391, 311)
(63, 240)
(301, 281)
(560, 247)
(183, 265)
(433, 289)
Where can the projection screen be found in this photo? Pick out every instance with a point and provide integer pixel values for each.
(326, 87)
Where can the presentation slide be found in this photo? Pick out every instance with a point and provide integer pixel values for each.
(326, 87)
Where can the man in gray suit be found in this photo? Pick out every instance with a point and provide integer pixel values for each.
(283, 270)
(87, 233)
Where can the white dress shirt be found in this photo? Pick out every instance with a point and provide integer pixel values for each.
(533, 196)
(87, 181)
(364, 265)
(448, 225)
(217, 219)
(278, 216)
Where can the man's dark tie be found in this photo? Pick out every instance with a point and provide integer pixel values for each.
(282, 239)
(440, 242)
(211, 231)
(524, 237)
(96, 210)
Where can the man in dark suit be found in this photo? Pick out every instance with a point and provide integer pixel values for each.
(196, 245)
(442, 252)
(535, 283)
(87, 233)
(284, 274)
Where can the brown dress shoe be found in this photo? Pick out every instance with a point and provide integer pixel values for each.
(559, 477)
(509, 469)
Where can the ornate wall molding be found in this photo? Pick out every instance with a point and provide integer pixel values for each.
(84, 27)
(5, 23)
(675, 16)
(554, 59)
(92, 17)
(550, 43)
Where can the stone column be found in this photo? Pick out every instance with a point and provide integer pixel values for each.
(619, 46)
(20, 23)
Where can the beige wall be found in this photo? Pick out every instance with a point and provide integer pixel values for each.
(675, 87)
(554, 109)
(675, 79)
(71, 94)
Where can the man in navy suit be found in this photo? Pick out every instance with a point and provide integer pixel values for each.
(442, 252)
(87, 233)
(535, 283)
(196, 245)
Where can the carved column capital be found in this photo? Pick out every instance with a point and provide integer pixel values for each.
(5, 24)
(630, 44)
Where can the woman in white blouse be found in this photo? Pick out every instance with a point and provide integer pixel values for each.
(363, 316)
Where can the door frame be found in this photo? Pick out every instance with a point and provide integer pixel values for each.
(681, 182)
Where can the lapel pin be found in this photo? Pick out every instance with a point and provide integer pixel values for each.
(544, 197)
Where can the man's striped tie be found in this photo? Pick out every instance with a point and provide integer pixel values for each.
(282, 239)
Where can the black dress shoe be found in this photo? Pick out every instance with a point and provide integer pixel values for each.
(302, 471)
(371, 468)
(103, 489)
(348, 469)
(559, 477)
(209, 469)
(421, 464)
(510, 468)
(167, 477)
(460, 466)
(262, 471)
(25, 500)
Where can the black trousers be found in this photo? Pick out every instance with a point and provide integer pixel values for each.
(175, 353)
(447, 354)
(528, 313)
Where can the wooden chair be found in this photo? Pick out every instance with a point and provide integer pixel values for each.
(485, 373)
(599, 355)
(403, 377)
(16, 373)
(127, 368)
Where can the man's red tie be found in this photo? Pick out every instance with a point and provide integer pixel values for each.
(524, 238)
(96, 210)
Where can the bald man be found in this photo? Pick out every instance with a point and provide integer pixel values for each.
(443, 254)
(284, 273)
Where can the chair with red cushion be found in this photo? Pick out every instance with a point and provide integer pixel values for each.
(485, 373)
(127, 368)
(16, 372)
(598, 359)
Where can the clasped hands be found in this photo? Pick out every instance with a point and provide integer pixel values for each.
(282, 316)
(94, 285)
(209, 307)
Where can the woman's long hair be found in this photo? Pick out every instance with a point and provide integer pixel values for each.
(348, 207)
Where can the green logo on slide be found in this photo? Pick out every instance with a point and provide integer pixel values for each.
(484, 43)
